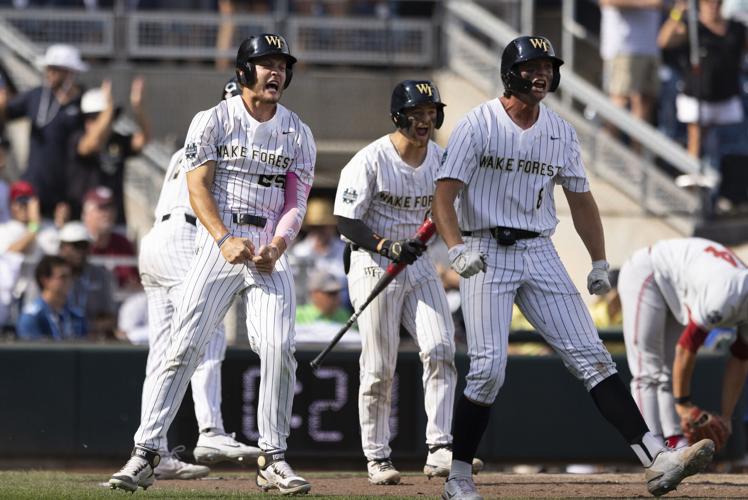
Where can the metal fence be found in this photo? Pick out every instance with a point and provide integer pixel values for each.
(359, 40)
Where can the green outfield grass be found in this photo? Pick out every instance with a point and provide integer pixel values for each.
(55, 485)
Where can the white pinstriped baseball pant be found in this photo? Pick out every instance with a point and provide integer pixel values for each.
(209, 288)
(419, 302)
(166, 254)
(650, 332)
(530, 272)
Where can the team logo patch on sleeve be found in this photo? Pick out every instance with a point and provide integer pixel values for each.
(349, 196)
(190, 152)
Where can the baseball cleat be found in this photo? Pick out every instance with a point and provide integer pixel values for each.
(670, 467)
(138, 471)
(274, 472)
(171, 467)
(217, 446)
(439, 462)
(460, 488)
(382, 471)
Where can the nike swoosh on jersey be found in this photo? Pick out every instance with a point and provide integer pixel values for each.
(554, 138)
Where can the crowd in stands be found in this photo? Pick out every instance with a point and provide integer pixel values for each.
(69, 202)
(649, 68)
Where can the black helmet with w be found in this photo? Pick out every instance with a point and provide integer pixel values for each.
(254, 47)
(411, 93)
(523, 49)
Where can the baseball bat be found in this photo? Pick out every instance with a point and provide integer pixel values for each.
(424, 234)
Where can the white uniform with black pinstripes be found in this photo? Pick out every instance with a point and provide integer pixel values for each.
(250, 156)
(509, 177)
(166, 254)
(392, 198)
(661, 289)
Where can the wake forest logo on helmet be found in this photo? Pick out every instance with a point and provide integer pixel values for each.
(274, 40)
(539, 43)
(425, 89)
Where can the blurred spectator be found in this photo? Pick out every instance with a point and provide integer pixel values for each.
(630, 54)
(54, 111)
(4, 181)
(10, 270)
(323, 315)
(93, 287)
(322, 247)
(98, 152)
(225, 37)
(132, 322)
(23, 232)
(606, 310)
(99, 215)
(711, 93)
(51, 316)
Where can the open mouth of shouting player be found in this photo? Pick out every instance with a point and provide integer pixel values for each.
(271, 76)
(422, 119)
(539, 72)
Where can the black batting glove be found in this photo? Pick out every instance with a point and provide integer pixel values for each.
(405, 250)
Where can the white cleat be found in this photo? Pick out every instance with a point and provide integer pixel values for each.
(460, 488)
(382, 471)
(138, 471)
(274, 472)
(171, 467)
(214, 447)
(439, 462)
(670, 467)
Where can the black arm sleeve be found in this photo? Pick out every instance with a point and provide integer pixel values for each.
(359, 233)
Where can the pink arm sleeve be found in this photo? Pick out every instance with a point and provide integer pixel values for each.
(294, 208)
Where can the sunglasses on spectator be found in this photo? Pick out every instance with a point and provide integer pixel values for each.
(23, 200)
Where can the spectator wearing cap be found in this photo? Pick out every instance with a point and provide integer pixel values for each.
(93, 286)
(19, 243)
(54, 111)
(51, 316)
(99, 216)
(322, 247)
(323, 315)
(99, 150)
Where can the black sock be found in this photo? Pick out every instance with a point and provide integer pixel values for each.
(469, 424)
(618, 407)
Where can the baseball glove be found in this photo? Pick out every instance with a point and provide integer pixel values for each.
(700, 424)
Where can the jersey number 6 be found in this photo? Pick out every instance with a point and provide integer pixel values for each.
(540, 198)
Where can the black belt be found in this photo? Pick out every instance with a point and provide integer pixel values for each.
(506, 235)
(252, 220)
(190, 219)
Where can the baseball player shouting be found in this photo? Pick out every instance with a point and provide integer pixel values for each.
(502, 163)
(166, 254)
(249, 163)
(383, 196)
(673, 293)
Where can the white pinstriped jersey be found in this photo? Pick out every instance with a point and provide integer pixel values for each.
(703, 279)
(510, 173)
(252, 158)
(174, 197)
(384, 192)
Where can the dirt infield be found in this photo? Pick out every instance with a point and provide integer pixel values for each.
(492, 485)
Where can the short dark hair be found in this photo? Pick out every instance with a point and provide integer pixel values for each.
(45, 267)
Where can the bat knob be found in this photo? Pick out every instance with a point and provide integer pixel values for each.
(314, 364)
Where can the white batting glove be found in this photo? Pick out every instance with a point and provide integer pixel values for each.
(466, 262)
(598, 282)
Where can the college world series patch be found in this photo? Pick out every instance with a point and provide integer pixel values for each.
(190, 152)
(349, 196)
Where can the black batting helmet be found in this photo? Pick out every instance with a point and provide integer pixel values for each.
(267, 44)
(231, 89)
(411, 93)
(522, 49)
